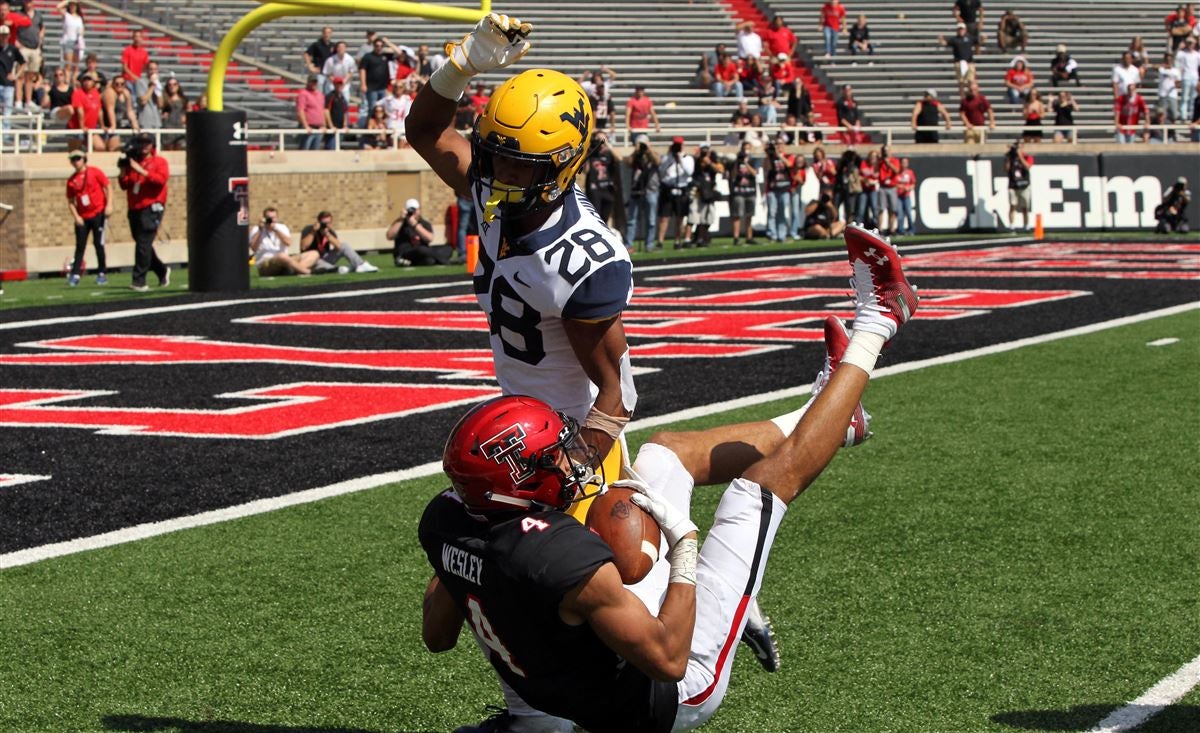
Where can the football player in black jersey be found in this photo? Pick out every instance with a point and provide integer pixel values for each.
(539, 591)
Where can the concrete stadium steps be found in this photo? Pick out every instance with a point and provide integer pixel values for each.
(908, 58)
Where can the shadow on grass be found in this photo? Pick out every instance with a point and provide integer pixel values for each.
(147, 723)
(1182, 718)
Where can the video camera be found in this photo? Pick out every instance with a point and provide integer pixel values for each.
(134, 149)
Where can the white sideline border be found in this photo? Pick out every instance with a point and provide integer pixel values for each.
(1167, 692)
(261, 506)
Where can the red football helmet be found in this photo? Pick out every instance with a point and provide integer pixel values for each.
(514, 452)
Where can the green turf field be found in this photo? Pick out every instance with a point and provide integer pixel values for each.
(1017, 549)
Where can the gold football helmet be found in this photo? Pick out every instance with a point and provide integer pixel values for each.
(529, 142)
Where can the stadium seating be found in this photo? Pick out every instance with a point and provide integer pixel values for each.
(908, 59)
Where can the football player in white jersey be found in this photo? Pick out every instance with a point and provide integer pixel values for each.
(552, 277)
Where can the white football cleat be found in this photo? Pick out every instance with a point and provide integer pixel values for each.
(883, 297)
(836, 341)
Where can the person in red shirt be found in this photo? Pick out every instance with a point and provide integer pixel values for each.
(134, 58)
(727, 81)
(825, 170)
(480, 98)
(1129, 111)
(144, 176)
(639, 111)
(89, 197)
(782, 73)
(975, 111)
(906, 184)
(1018, 81)
(85, 106)
(832, 15)
(888, 197)
(778, 38)
(1179, 25)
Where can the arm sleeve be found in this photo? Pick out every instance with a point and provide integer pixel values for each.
(603, 294)
(158, 172)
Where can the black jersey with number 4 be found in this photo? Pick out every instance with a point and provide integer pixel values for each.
(508, 579)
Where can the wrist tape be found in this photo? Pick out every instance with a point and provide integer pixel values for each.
(449, 81)
(683, 561)
(607, 424)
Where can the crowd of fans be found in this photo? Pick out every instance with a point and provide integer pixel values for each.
(68, 86)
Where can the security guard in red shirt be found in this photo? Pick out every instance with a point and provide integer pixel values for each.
(89, 197)
(143, 178)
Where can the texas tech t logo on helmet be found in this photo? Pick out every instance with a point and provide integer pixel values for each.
(506, 448)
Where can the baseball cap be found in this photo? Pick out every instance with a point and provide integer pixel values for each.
(338, 80)
(1182, 180)
(677, 139)
(931, 92)
(312, 79)
(412, 204)
(76, 154)
(641, 138)
(961, 25)
(781, 56)
(3, 30)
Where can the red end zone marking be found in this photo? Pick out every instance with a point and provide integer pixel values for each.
(287, 410)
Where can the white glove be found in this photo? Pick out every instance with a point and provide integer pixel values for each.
(673, 523)
(497, 41)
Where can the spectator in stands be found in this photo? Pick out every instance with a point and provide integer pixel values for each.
(1170, 79)
(603, 107)
(591, 79)
(796, 203)
(778, 38)
(57, 100)
(749, 43)
(974, 110)
(906, 184)
(866, 205)
(1011, 34)
(71, 40)
(1017, 167)
(85, 106)
(1064, 108)
(322, 238)
(925, 114)
(310, 113)
(726, 80)
(821, 219)
(404, 64)
(337, 114)
(412, 237)
(1018, 81)
(702, 213)
(269, 243)
(397, 107)
(366, 47)
(174, 110)
(91, 65)
(825, 170)
(134, 57)
(970, 14)
(782, 74)
(860, 37)
(116, 112)
(799, 106)
(374, 77)
(849, 117)
(12, 64)
(1129, 113)
(343, 66)
(642, 210)
(31, 39)
(480, 98)
(1156, 133)
(144, 178)
(963, 49)
(742, 172)
(768, 111)
(1063, 68)
(708, 62)
(317, 53)
(777, 190)
(1180, 24)
(1033, 111)
(756, 79)
(887, 197)
(639, 112)
(600, 177)
(427, 62)
(377, 137)
(1124, 74)
(147, 95)
(464, 116)
(675, 176)
(90, 199)
(1187, 60)
(1137, 52)
(1172, 212)
(833, 14)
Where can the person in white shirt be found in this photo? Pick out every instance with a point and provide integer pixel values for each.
(1124, 74)
(71, 41)
(269, 243)
(1168, 88)
(749, 43)
(397, 107)
(1187, 61)
(674, 193)
(341, 64)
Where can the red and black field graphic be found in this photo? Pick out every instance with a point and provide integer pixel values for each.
(114, 416)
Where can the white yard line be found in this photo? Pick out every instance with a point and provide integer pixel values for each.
(153, 529)
(1167, 692)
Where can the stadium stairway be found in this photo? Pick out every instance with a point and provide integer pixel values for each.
(908, 59)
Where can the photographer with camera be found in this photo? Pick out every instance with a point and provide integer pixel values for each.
(643, 192)
(413, 237)
(269, 243)
(600, 179)
(777, 190)
(1172, 212)
(821, 219)
(703, 212)
(743, 191)
(321, 238)
(144, 176)
(1017, 165)
(675, 172)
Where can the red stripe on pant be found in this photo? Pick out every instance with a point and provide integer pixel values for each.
(727, 648)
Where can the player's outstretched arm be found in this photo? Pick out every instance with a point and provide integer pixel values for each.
(497, 41)
(441, 620)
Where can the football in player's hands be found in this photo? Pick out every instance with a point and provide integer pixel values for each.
(632, 534)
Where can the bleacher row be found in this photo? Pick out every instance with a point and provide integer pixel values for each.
(657, 44)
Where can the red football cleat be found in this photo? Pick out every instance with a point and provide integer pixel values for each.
(883, 297)
(836, 341)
